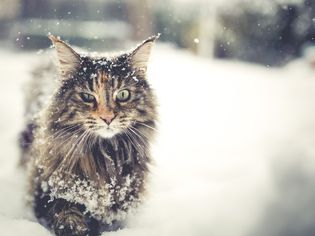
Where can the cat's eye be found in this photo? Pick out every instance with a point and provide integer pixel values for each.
(86, 97)
(123, 95)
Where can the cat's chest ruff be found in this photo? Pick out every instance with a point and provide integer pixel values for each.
(104, 201)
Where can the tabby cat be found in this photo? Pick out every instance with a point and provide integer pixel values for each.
(89, 145)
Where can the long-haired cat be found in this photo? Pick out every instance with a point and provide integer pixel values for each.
(89, 145)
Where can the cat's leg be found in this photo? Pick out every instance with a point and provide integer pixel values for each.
(69, 221)
(64, 218)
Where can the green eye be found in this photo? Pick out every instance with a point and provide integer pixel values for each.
(86, 97)
(123, 95)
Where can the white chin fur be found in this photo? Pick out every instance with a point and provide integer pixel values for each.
(106, 132)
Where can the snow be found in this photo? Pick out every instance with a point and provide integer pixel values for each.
(12, 227)
(235, 147)
(98, 201)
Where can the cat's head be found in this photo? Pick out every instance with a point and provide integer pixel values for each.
(105, 96)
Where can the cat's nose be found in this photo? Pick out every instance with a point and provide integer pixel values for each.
(108, 118)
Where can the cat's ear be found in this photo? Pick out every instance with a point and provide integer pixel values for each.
(140, 55)
(68, 59)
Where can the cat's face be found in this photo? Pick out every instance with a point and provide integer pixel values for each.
(104, 96)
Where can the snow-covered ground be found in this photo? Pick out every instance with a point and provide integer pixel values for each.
(235, 155)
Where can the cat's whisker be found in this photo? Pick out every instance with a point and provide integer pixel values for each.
(73, 160)
(72, 127)
(86, 121)
(62, 131)
(87, 133)
(139, 133)
(74, 145)
(72, 136)
(88, 141)
(148, 138)
(132, 142)
(148, 126)
(135, 143)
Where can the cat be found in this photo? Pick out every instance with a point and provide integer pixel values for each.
(89, 145)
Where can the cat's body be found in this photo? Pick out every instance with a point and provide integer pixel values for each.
(90, 145)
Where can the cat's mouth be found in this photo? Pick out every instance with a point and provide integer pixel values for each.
(107, 132)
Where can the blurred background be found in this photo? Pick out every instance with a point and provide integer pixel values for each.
(270, 32)
(235, 81)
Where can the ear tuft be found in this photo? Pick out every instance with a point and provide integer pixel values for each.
(140, 56)
(68, 59)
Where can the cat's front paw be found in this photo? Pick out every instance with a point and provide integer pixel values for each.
(70, 223)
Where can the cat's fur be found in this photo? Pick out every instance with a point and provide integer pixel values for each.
(86, 175)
